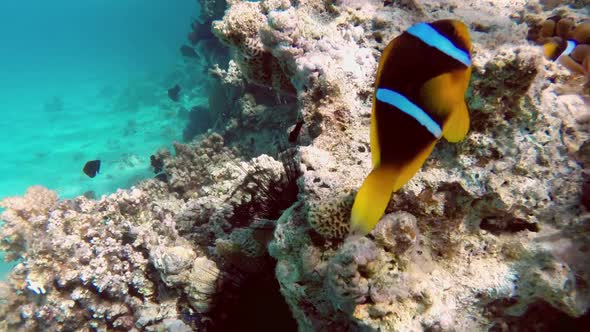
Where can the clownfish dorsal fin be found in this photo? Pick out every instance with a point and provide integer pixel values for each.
(375, 149)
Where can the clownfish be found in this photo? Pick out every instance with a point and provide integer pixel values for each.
(419, 97)
(566, 43)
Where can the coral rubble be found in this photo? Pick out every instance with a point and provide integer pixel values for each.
(490, 231)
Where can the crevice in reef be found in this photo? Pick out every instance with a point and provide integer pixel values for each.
(254, 303)
(247, 295)
(250, 297)
(507, 224)
(539, 316)
(247, 299)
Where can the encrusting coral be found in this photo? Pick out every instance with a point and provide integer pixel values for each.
(490, 230)
(396, 232)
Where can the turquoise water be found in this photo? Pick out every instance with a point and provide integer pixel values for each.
(83, 80)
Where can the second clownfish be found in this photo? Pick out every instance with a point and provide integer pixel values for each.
(567, 43)
(419, 97)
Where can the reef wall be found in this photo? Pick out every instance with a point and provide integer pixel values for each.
(490, 234)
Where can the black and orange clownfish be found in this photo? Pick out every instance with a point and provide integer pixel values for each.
(567, 43)
(419, 97)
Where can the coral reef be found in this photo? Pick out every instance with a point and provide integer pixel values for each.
(481, 217)
(489, 231)
(130, 260)
(211, 9)
(396, 232)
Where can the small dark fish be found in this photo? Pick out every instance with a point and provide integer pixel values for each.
(193, 37)
(196, 26)
(162, 177)
(202, 31)
(174, 92)
(188, 51)
(91, 168)
(90, 194)
(294, 134)
(156, 163)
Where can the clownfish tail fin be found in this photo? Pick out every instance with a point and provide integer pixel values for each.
(372, 199)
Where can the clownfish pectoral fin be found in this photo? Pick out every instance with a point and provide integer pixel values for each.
(445, 95)
(372, 199)
(457, 125)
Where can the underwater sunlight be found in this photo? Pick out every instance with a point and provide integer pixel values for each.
(85, 80)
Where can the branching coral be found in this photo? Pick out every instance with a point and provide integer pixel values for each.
(194, 165)
(29, 213)
(75, 255)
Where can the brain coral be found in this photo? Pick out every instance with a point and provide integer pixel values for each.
(330, 217)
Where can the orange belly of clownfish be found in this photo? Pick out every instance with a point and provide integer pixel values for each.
(419, 97)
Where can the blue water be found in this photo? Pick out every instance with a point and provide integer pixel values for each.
(82, 80)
